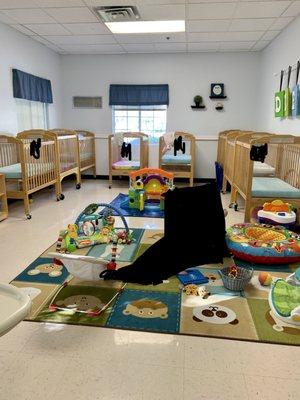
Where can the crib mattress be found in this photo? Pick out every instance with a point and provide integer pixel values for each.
(273, 188)
(126, 164)
(182, 159)
(263, 169)
(14, 171)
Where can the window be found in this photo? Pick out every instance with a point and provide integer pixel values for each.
(151, 120)
(31, 115)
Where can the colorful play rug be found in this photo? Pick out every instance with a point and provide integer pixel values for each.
(163, 308)
(150, 211)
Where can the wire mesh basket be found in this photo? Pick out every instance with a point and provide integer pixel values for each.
(238, 280)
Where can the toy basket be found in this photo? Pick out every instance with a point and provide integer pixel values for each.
(237, 283)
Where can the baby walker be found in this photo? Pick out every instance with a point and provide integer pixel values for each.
(277, 213)
(147, 189)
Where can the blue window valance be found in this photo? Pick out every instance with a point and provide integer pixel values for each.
(31, 87)
(138, 95)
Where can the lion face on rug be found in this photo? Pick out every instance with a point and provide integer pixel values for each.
(145, 308)
(52, 269)
(215, 315)
(81, 302)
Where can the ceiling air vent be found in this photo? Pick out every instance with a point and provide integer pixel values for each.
(118, 13)
(87, 102)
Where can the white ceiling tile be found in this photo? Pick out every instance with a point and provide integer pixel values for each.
(270, 35)
(203, 25)
(84, 39)
(60, 3)
(260, 24)
(46, 43)
(260, 45)
(170, 47)
(236, 46)
(203, 46)
(24, 30)
(6, 4)
(293, 10)
(211, 11)
(224, 36)
(281, 23)
(260, 9)
(139, 48)
(96, 28)
(73, 14)
(93, 49)
(151, 38)
(48, 29)
(29, 16)
(5, 19)
(162, 12)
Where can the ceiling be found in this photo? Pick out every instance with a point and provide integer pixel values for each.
(71, 27)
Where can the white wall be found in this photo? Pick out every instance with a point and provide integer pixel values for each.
(281, 53)
(186, 74)
(21, 52)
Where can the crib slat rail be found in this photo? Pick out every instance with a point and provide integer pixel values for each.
(87, 150)
(67, 154)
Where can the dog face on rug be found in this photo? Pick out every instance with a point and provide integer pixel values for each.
(145, 308)
(52, 269)
(215, 315)
(81, 302)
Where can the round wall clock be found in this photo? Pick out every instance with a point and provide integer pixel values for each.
(217, 91)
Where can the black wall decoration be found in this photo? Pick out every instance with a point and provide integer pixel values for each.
(217, 91)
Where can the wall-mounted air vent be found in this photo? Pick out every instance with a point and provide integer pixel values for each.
(117, 13)
(87, 102)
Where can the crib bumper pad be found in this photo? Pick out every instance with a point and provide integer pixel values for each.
(263, 169)
(126, 164)
(285, 297)
(182, 159)
(273, 187)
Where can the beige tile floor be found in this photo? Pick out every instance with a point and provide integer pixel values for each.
(48, 361)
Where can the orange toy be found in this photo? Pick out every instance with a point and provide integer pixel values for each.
(277, 206)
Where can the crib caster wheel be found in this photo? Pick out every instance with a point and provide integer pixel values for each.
(78, 186)
(235, 207)
(62, 197)
(109, 187)
(28, 216)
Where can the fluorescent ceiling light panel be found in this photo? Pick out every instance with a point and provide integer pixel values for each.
(146, 26)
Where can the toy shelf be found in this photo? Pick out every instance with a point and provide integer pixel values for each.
(3, 199)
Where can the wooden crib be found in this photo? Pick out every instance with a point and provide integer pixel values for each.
(182, 166)
(229, 151)
(67, 148)
(25, 174)
(121, 167)
(283, 156)
(87, 154)
(222, 146)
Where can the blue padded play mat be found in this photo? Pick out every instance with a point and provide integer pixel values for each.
(150, 211)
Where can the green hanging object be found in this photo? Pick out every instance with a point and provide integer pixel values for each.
(279, 99)
(288, 96)
(296, 95)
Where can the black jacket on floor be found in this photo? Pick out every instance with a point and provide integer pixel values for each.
(194, 235)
